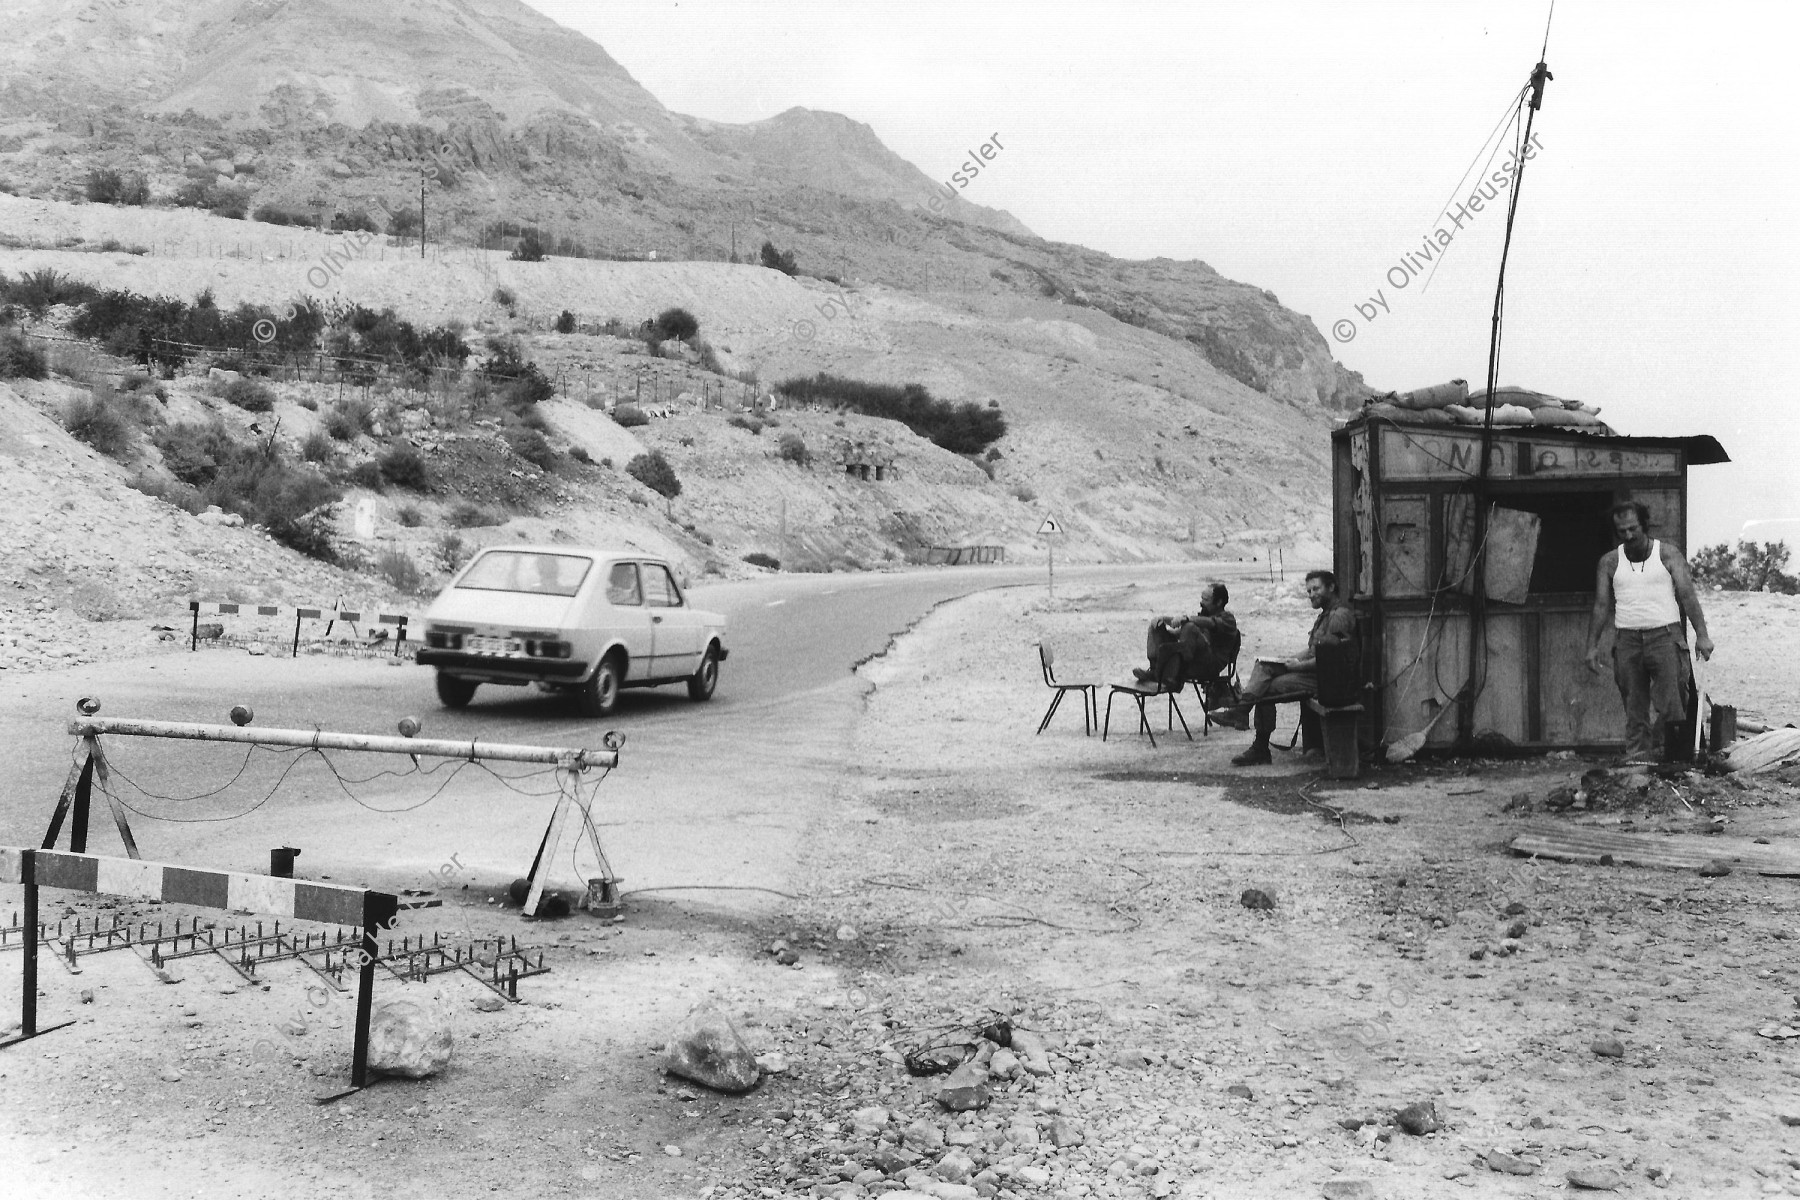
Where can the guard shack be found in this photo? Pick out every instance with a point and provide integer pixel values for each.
(1403, 532)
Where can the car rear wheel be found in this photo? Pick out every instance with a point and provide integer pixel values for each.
(702, 682)
(600, 695)
(454, 692)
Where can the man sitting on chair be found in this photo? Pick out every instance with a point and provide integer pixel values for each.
(1206, 642)
(1273, 682)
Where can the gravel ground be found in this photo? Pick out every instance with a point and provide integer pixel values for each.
(1559, 1018)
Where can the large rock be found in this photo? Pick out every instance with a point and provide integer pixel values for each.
(923, 1136)
(869, 1121)
(708, 1049)
(1031, 1051)
(408, 1038)
(1420, 1119)
(965, 1089)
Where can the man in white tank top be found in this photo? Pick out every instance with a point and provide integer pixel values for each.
(1643, 590)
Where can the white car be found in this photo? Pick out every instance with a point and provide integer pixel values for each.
(573, 620)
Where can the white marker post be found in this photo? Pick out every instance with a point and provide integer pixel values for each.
(1049, 529)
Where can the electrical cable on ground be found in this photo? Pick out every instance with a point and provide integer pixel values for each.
(1026, 916)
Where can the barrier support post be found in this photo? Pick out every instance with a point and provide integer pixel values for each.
(28, 1002)
(296, 653)
(194, 631)
(28, 987)
(378, 909)
(73, 787)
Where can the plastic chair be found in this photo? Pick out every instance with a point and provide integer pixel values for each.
(1090, 693)
(1169, 685)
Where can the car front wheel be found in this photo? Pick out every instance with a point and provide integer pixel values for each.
(454, 692)
(702, 682)
(600, 695)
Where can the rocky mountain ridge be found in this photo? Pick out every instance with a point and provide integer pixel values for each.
(337, 107)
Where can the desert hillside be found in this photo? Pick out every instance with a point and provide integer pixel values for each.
(230, 153)
(1136, 443)
(323, 113)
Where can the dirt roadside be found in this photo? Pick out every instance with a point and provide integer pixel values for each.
(1089, 890)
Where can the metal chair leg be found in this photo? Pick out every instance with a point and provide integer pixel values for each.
(1054, 701)
(1144, 721)
(1175, 712)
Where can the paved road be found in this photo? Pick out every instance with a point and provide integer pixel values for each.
(716, 793)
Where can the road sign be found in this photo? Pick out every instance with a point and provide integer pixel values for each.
(1050, 526)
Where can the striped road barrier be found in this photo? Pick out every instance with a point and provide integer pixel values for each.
(330, 614)
(168, 883)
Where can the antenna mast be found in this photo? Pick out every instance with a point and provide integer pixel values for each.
(1477, 677)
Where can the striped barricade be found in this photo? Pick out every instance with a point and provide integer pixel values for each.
(332, 614)
(957, 556)
(168, 883)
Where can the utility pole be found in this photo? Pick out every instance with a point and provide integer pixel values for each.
(421, 212)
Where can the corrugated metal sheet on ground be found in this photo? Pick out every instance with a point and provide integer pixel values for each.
(1683, 851)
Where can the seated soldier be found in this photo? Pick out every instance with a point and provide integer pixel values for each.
(1273, 682)
(1206, 642)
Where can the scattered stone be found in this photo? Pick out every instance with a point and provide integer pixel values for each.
(1031, 1051)
(955, 1167)
(488, 1002)
(1241, 1091)
(965, 1089)
(293, 1027)
(1509, 1164)
(1596, 1179)
(1516, 930)
(1789, 1119)
(943, 1189)
(772, 1063)
(708, 1049)
(1004, 1065)
(1134, 1056)
(1035, 1177)
(1347, 1189)
(1420, 1119)
(786, 957)
(1608, 1047)
(1716, 869)
(87, 995)
(407, 1038)
(891, 1160)
(869, 1121)
(1256, 899)
(1660, 1176)
(170, 1075)
(672, 1151)
(1065, 1132)
(847, 933)
(923, 1136)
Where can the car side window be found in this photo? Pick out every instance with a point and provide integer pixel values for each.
(622, 585)
(659, 587)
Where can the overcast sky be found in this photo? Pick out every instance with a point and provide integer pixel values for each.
(1305, 147)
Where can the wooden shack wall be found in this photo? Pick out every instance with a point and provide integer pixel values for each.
(1393, 491)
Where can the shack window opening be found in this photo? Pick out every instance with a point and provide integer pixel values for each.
(1575, 530)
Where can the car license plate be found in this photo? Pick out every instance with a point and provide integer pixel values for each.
(493, 645)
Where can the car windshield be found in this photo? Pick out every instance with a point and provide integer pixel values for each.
(527, 571)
